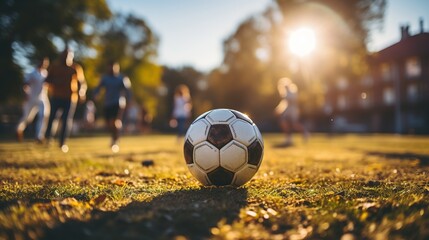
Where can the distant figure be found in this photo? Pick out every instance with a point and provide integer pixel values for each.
(132, 123)
(67, 85)
(89, 116)
(146, 120)
(118, 92)
(182, 109)
(288, 110)
(36, 100)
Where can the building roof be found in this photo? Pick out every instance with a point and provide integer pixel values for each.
(415, 45)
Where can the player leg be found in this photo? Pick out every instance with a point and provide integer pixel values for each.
(44, 110)
(55, 105)
(67, 120)
(28, 114)
(286, 126)
(109, 117)
(117, 124)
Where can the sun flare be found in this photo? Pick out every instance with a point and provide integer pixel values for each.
(302, 41)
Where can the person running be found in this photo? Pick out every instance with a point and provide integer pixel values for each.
(182, 109)
(36, 100)
(67, 86)
(288, 110)
(117, 93)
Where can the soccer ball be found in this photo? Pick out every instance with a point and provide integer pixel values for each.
(223, 147)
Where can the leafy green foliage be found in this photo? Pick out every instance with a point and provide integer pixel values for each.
(349, 186)
(195, 80)
(256, 55)
(31, 27)
(128, 40)
(99, 37)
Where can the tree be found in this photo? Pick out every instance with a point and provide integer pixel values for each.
(238, 83)
(195, 80)
(255, 56)
(31, 28)
(343, 29)
(128, 40)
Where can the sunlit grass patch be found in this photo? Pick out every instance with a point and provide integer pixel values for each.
(348, 185)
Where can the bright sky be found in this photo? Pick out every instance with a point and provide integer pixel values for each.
(400, 12)
(192, 31)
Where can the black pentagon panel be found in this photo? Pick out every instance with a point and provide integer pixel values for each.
(219, 135)
(241, 116)
(255, 153)
(220, 176)
(201, 116)
(188, 151)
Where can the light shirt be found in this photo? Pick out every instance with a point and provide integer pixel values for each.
(182, 107)
(35, 81)
(291, 99)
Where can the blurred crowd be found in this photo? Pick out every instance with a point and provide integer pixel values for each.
(53, 92)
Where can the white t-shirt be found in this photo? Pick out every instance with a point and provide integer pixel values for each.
(291, 111)
(182, 107)
(36, 80)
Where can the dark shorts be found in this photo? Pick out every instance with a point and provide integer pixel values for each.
(113, 112)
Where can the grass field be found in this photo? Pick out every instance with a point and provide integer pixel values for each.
(340, 187)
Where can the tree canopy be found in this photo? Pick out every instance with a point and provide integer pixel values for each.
(39, 28)
(128, 40)
(256, 56)
(31, 29)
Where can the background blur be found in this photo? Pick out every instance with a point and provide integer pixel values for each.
(367, 71)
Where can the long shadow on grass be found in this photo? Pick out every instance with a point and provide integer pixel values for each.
(26, 164)
(131, 155)
(189, 213)
(423, 159)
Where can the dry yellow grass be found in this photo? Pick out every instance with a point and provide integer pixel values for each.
(363, 187)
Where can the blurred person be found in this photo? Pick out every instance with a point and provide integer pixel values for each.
(181, 109)
(132, 124)
(89, 115)
(146, 120)
(67, 86)
(117, 92)
(288, 110)
(36, 100)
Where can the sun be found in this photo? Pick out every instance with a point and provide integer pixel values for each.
(302, 41)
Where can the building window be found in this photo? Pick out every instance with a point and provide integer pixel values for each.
(412, 67)
(386, 73)
(412, 93)
(341, 102)
(342, 83)
(388, 96)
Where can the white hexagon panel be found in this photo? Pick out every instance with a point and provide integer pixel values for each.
(233, 156)
(241, 116)
(206, 156)
(258, 134)
(198, 131)
(201, 116)
(220, 116)
(243, 132)
(244, 175)
(199, 174)
(223, 147)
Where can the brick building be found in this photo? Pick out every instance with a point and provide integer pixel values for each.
(393, 96)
